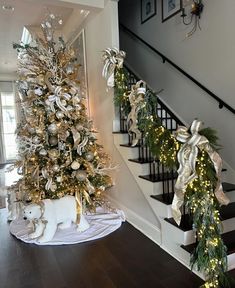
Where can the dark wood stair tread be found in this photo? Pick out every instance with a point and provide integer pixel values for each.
(164, 198)
(228, 238)
(159, 177)
(141, 160)
(120, 132)
(129, 145)
(185, 224)
(228, 187)
(227, 212)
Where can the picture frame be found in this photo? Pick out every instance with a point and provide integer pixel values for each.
(148, 10)
(79, 46)
(170, 8)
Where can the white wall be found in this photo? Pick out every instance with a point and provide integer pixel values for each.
(101, 32)
(8, 77)
(208, 56)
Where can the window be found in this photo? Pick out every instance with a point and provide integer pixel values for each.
(9, 125)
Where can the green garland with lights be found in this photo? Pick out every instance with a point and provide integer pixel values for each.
(209, 255)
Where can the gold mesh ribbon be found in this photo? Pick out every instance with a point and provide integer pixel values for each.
(112, 58)
(187, 156)
(78, 206)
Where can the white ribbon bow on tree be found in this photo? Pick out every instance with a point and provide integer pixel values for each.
(56, 98)
(187, 157)
(112, 58)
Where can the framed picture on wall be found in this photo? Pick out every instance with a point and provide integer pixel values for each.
(148, 9)
(170, 8)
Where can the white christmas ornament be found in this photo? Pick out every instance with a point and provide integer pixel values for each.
(75, 165)
(38, 91)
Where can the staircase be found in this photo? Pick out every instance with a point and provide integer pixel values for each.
(157, 185)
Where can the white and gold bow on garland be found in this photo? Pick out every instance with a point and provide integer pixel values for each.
(187, 156)
(136, 99)
(112, 58)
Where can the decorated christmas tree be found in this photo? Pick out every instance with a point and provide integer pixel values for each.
(58, 150)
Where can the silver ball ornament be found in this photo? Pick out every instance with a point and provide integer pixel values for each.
(69, 108)
(53, 140)
(89, 156)
(70, 69)
(43, 152)
(81, 175)
(52, 128)
(56, 168)
(59, 114)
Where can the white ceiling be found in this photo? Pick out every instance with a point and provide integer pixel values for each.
(30, 13)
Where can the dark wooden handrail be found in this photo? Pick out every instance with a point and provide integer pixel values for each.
(166, 59)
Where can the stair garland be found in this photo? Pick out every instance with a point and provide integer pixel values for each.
(209, 255)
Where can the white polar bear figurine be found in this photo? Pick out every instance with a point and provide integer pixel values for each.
(52, 213)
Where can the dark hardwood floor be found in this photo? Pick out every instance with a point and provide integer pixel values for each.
(124, 259)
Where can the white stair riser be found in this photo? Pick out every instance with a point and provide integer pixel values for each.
(128, 153)
(231, 196)
(231, 261)
(188, 237)
(172, 232)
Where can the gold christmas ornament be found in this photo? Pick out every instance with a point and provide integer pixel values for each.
(53, 154)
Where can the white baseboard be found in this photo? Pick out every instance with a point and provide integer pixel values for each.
(144, 226)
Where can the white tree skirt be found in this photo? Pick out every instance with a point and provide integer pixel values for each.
(101, 224)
